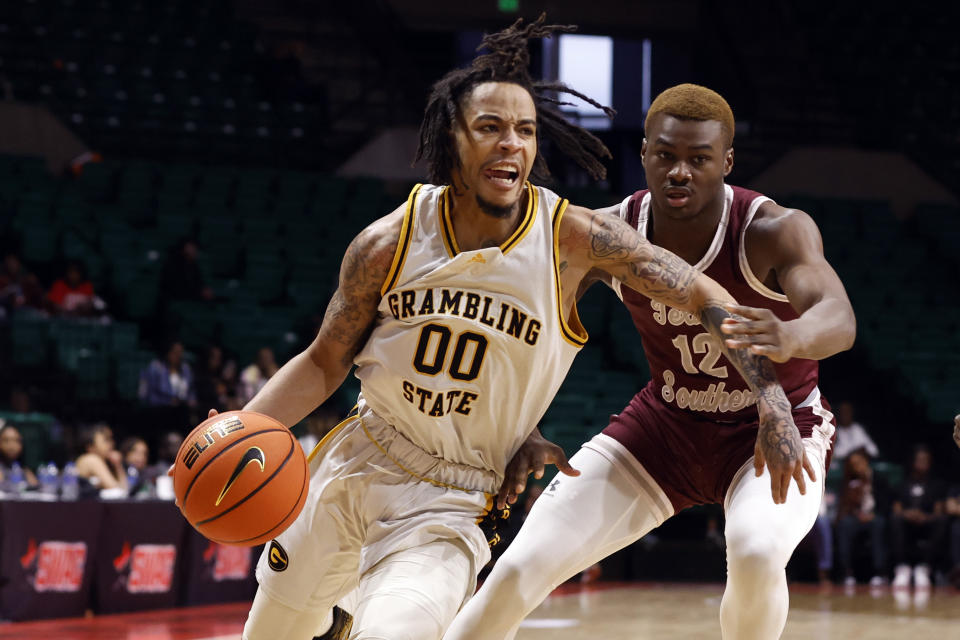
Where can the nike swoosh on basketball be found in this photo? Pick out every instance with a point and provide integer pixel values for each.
(253, 454)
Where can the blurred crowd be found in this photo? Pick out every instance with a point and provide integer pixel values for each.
(69, 294)
(883, 521)
(176, 389)
(884, 524)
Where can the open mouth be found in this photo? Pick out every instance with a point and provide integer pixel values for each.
(677, 196)
(503, 175)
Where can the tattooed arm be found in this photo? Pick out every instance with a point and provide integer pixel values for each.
(310, 377)
(591, 241)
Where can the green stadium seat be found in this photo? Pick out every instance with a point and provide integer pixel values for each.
(124, 337)
(30, 337)
(39, 243)
(35, 428)
(93, 376)
(127, 368)
(142, 297)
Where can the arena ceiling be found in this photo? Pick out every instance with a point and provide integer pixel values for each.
(614, 17)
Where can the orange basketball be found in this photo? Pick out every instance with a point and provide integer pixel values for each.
(240, 478)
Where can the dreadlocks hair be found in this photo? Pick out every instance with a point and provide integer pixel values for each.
(508, 60)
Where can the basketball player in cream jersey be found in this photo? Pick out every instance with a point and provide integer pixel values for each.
(696, 433)
(459, 311)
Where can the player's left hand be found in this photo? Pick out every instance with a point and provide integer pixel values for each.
(956, 430)
(532, 457)
(760, 331)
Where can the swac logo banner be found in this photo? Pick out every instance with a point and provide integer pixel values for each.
(59, 565)
(232, 563)
(151, 568)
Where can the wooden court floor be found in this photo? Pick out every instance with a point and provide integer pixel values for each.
(605, 612)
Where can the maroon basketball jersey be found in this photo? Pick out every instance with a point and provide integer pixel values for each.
(688, 369)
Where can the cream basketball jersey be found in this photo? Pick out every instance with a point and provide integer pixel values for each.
(470, 346)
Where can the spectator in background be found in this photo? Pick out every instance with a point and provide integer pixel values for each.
(851, 435)
(100, 465)
(20, 401)
(953, 512)
(18, 287)
(167, 448)
(168, 382)
(135, 456)
(73, 294)
(182, 278)
(217, 381)
(11, 452)
(255, 375)
(864, 503)
(917, 522)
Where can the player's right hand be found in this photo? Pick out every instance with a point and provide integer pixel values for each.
(532, 457)
(780, 449)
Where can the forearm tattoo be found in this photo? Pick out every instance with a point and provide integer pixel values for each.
(610, 237)
(659, 274)
(778, 435)
(646, 268)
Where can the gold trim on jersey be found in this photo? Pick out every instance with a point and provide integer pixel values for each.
(575, 334)
(329, 434)
(526, 224)
(403, 245)
(450, 239)
(417, 476)
(446, 224)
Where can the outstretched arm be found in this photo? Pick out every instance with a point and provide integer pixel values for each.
(310, 377)
(593, 240)
(787, 243)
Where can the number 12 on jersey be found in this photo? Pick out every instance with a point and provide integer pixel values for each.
(702, 342)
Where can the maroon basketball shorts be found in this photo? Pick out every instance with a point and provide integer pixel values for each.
(693, 459)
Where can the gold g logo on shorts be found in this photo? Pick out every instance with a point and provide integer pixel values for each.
(276, 557)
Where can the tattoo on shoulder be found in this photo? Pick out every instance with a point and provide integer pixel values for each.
(352, 310)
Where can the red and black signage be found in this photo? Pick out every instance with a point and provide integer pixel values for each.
(218, 573)
(138, 556)
(47, 562)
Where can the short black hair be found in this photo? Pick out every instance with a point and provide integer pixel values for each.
(507, 60)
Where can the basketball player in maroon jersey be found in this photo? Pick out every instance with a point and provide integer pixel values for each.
(692, 436)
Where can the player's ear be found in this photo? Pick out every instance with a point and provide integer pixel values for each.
(643, 153)
(727, 162)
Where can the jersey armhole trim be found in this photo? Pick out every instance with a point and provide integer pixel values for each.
(403, 246)
(575, 334)
(625, 209)
(745, 269)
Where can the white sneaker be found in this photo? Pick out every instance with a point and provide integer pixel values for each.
(878, 581)
(849, 581)
(901, 577)
(921, 576)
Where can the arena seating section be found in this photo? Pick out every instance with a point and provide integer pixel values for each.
(179, 78)
(271, 243)
(184, 79)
